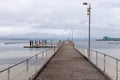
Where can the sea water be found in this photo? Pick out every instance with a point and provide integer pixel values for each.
(14, 52)
(103, 47)
(107, 64)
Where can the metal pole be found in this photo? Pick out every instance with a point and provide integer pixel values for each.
(88, 53)
(96, 58)
(49, 53)
(36, 63)
(27, 70)
(117, 69)
(72, 35)
(42, 58)
(46, 55)
(91, 55)
(84, 51)
(8, 73)
(104, 62)
(89, 14)
(51, 44)
(54, 49)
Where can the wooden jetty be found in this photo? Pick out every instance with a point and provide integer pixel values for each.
(45, 46)
(40, 44)
(69, 64)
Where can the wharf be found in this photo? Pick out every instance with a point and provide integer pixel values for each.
(69, 64)
(46, 46)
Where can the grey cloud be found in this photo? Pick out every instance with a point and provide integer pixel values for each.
(35, 16)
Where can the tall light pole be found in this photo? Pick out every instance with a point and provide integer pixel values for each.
(89, 14)
(72, 35)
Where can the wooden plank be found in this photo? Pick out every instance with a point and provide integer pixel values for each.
(68, 64)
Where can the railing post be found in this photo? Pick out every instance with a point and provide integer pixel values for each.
(91, 54)
(104, 62)
(49, 53)
(96, 58)
(36, 63)
(87, 53)
(27, 70)
(117, 69)
(84, 52)
(54, 49)
(46, 55)
(80, 49)
(42, 58)
(8, 73)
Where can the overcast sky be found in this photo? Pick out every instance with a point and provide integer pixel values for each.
(56, 18)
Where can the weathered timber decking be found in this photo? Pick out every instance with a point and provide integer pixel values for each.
(68, 64)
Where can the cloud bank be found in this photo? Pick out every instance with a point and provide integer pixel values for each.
(55, 18)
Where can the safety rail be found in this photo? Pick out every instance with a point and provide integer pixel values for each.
(106, 63)
(25, 70)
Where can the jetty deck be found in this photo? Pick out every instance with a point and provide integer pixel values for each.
(69, 64)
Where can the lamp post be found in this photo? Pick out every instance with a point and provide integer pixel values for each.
(72, 35)
(89, 14)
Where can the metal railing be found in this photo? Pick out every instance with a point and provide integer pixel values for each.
(26, 69)
(108, 64)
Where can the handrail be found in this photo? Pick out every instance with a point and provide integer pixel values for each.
(48, 53)
(21, 62)
(29, 71)
(101, 61)
(102, 53)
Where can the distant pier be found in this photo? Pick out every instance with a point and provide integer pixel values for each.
(40, 44)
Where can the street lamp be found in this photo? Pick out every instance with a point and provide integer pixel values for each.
(89, 14)
(72, 35)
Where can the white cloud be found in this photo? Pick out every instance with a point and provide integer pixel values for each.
(51, 17)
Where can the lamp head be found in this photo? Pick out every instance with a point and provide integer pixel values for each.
(85, 3)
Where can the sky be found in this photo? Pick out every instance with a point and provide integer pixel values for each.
(56, 19)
